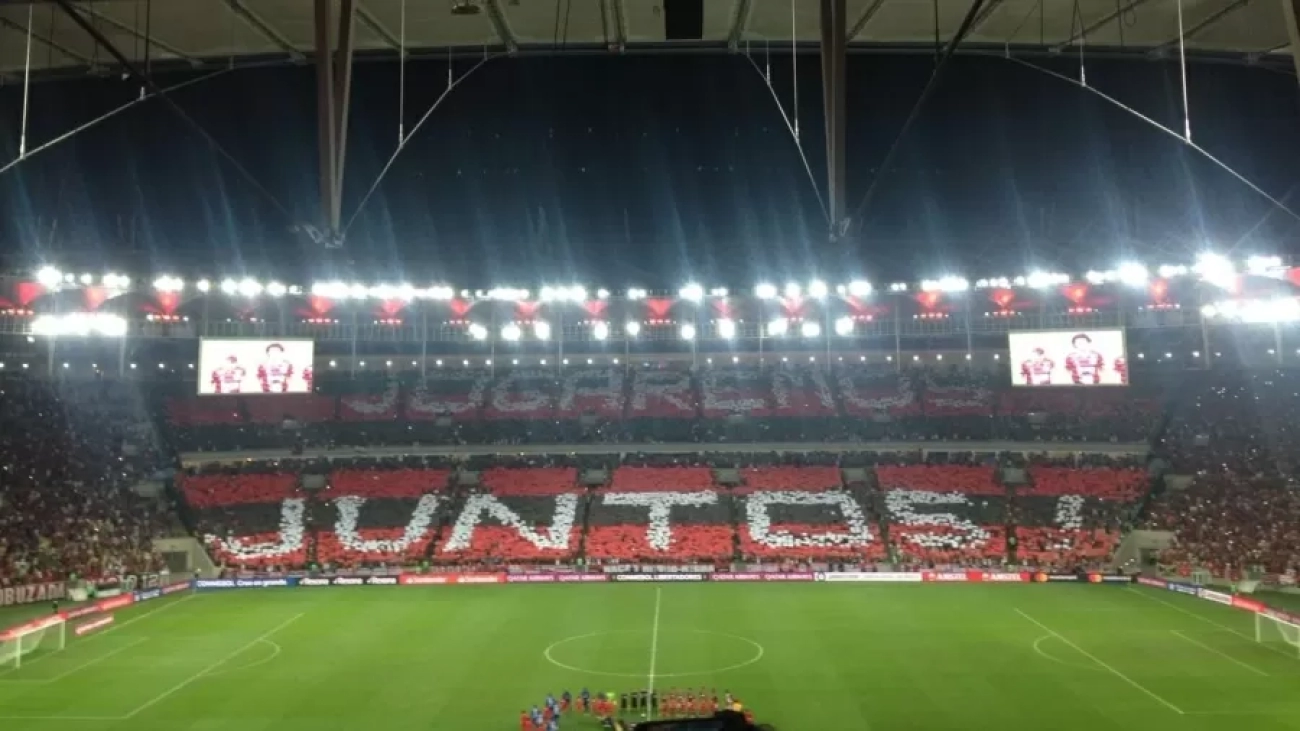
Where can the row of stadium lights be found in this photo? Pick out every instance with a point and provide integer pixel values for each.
(615, 361)
(1213, 268)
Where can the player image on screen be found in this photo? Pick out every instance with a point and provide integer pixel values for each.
(229, 376)
(244, 367)
(1063, 358)
(1084, 363)
(1037, 371)
(274, 372)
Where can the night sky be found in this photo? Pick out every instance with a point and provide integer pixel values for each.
(648, 170)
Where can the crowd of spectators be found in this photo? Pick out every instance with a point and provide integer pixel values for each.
(69, 457)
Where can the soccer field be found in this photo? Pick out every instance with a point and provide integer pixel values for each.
(824, 656)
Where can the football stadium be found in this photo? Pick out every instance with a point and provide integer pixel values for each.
(681, 364)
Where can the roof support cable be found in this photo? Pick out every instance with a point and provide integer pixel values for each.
(1077, 14)
(129, 68)
(27, 85)
(414, 129)
(1172, 133)
(1182, 68)
(766, 75)
(401, 79)
(794, 65)
(963, 30)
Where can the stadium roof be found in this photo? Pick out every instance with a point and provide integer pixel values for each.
(203, 33)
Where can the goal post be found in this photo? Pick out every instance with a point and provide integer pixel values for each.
(1277, 632)
(42, 636)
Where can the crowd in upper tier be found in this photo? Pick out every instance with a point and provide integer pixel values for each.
(75, 455)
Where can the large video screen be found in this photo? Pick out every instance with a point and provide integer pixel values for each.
(255, 366)
(1069, 358)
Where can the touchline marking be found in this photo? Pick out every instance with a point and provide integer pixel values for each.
(1220, 653)
(202, 673)
(1102, 663)
(1209, 621)
(654, 649)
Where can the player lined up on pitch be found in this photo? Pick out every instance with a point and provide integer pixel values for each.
(614, 708)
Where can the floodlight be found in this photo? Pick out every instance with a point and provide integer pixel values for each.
(1216, 270)
(602, 293)
(726, 328)
(168, 283)
(600, 330)
(1132, 274)
(844, 326)
(511, 332)
(229, 286)
(203, 285)
(778, 327)
(859, 288)
(49, 276)
(477, 331)
(792, 290)
(633, 328)
(692, 292)
(810, 329)
(275, 289)
(765, 291)
(688, 332)
(817, 288)
(542, 329)
(250, 288)
(87, 279)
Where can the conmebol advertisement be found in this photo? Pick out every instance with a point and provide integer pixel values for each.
(1068, 358)
(243, 367)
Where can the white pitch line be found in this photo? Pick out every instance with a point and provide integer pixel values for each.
(1221, 653)
(654, 647)
(1207, 620)
(79, 668)
(200, 674)
(1103, 664)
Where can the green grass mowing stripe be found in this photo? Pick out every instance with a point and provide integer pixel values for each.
(199, 675)
(1220, 625)
(1221, 654)
(1103, 664)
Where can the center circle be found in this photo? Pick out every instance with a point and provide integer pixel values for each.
(754, 650)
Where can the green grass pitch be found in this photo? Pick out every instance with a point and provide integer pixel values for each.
(803, 657)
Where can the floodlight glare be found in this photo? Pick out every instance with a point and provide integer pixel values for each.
(765, 291)
(511, 332)
(817, 288)
(542, 329)
(633, 328)
(844, 326)
(688, 332)
(203, 285)
(250, 288)
(778, 327)
(49, 276)
(275, 289)
(792, 290)
(727, 328)
(600, 330)
(1132, 274)
(859, 288)
(810, 329)
(692, 292)
(477, 331)
(229, 286)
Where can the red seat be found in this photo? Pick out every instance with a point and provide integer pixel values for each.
(789, 478)
(940, 478)
(1110, 484)
(689, 543)
(387, 483)
(529, 481)
(657, 479)
(208, 491)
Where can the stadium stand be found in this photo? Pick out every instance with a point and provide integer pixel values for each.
(1231, 525)
(71, 454)
(944, 513)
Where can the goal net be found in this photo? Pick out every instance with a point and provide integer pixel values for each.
(26, 641)
(1278, 632)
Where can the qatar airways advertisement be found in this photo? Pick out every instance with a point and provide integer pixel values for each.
(249, 367)
(1069, 358)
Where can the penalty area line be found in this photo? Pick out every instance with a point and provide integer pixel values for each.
(205, 671)
(1104, 664)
